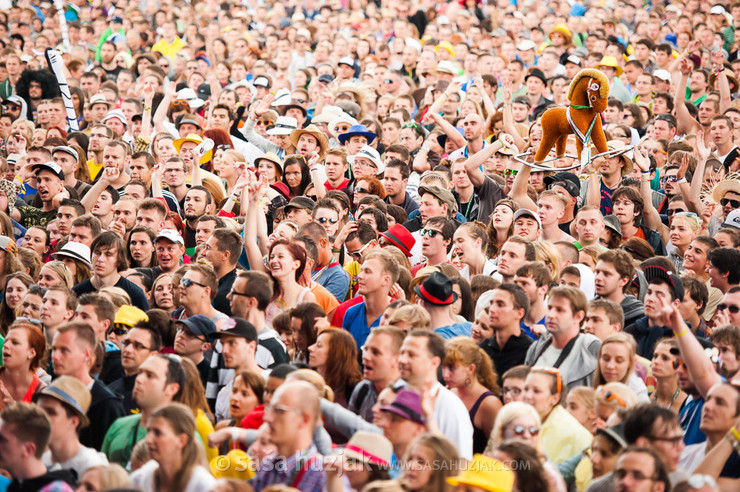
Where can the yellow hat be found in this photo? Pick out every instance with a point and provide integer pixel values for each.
(486, 474)
(610, 61)
(445, 45)
(236, 464)
(197, 140)
(130, 315)
(562, 29)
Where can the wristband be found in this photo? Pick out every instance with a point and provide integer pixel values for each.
(235, 435)
(336, 250)
(735, 433)
(682, 180)
(424, 147)
(685, 331)
(645, 173)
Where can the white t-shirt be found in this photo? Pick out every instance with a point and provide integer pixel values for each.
(452, 418)
(143, 478)
(84, 459)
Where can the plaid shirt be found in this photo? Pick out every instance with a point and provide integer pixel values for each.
(284, 471)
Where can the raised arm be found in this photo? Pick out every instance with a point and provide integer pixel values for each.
(718, 66)
(161, 113)
(698, 364)
(251, 197)
(649, 213)
(518, 191)
(146, 115)
(692, 196)
(475, 161)
(107, 176)
(248, 129)
(683, 117)
(447, 127)
(508, 120)
(318, 183)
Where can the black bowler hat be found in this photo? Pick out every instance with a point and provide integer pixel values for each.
(437, 289)
(536, 72)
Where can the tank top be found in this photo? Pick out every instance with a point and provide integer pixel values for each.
(278, 306)
(479, 437)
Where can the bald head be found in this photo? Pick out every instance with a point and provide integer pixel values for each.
(300, 395)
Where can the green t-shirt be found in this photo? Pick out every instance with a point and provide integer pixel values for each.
(121, 438)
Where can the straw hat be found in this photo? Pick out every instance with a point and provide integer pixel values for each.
(618, 145)
(610, 61)
(314, 131)
(370, 448)
(562, 29)
(197, 140)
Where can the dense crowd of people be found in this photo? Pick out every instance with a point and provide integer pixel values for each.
(304, 246)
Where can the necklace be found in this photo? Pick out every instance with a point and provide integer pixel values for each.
(675, 395)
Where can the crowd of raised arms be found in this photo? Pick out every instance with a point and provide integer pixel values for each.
(280, 245)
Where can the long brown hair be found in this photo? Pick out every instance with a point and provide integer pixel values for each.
(342, 368)
(444, 464)
(462, 351)
(193, 394)
(182, 421)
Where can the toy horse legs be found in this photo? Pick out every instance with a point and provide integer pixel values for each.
(554, 127)
(560, 145)
(598, 138)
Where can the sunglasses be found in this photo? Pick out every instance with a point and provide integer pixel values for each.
(510, 173)
(658, 151)
(730, 307)
(300, 101)
(180, 103)
(669, 179)
(733, 203)
(670, 212)
(361, 190)
(357, 255)
(186, 282)
(519, 430)
(611, 396)
(324, 220)
(429, 232)
(263, 122)
(135, 345)
(677, 364)
(341, 128)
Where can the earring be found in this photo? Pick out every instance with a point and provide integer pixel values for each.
(468, 382)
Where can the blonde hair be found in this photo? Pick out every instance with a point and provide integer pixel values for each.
(117, 296)
(61, 271)
(622, 391)
(586, 395)
(546, 252)
(628, 341)
(692, 221)
(111, 476)
(414, 315)
(508, 413)
(314, 379)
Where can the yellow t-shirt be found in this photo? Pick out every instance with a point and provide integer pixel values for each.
(169, 49)
(94, 168)
(204, 427)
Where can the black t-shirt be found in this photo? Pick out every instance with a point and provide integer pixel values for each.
(138, 298)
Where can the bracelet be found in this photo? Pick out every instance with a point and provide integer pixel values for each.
(147, 108)
(682, 180)
(685, 331)
(735, 433)
(646, 173)
(234, 435)
(424, 147)
(336, 250)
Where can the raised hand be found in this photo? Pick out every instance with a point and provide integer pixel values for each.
(263, 105)
(718, 59)
(111, 173)
(641, 159)
(701, 148)
(170, 90)
(685, 66)
(683, 167)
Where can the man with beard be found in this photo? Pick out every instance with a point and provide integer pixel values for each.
(107, 60)
(198, 202)
(124, 216)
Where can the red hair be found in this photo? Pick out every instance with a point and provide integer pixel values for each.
(176, 220)
(36, 341)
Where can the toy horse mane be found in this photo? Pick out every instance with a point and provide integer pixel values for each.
(589, 73)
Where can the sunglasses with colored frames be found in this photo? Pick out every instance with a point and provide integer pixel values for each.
(510, 173)
(180, 103)
(658, 151)
(611, 396)
(670, 212)
(519, 430)
(731, 308)
(733, 203)
(263, 122)
(324, 220)
(429, 232)
(677, 364)
(342, 128)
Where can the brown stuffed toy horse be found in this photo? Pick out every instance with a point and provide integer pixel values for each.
(588, 95)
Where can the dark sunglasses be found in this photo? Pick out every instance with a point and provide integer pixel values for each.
(669, 179)
(118, 331)
(263, 122)
(733, 203)
(361, 190)
(670, 212)
(186, 282)
(677, 364)
(429, 232)
(730, 307)
(510, 173)
(341, 128)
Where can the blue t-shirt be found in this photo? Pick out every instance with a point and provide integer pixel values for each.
(355, 322)
(690, 417)
(334, 279)
(456, 330)
(606, 199)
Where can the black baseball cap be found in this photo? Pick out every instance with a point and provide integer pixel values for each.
(654, 272)
(567, 180)
(238, 327)
(199, 325)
